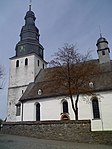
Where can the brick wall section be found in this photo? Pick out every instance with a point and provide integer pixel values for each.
(76, 131)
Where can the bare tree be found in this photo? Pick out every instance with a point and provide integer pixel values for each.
(72, 73)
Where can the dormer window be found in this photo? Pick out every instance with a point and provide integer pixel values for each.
(91, 84)
(39, 92)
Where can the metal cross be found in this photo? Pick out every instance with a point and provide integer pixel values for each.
(30, 2)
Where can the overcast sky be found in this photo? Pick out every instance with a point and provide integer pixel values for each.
(59, 21)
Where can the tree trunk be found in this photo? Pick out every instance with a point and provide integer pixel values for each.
(75, 107)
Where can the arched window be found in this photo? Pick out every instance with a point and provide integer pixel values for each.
(95, 106)
(38, 62)
(38, 112)
(17, 63)
(26, 61)
(65, 106)
(43, 66)
(18, 109)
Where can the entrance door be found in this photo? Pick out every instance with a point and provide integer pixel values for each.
(37, 112)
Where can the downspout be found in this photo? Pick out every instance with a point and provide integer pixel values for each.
(22, 111)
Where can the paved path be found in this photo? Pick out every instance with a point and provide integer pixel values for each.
(18, 142)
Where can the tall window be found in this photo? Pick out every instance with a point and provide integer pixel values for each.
(22, 91)
(65, 107)
(43, 66)
(37, 112)
(18, 110)
(95, 106)
(17, 63)
(26, 61)
(38, 62)
(103, 52)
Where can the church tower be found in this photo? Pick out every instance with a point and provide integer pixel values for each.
(26, 64)
(103, 50)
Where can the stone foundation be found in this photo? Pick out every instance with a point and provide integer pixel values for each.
(76, 131)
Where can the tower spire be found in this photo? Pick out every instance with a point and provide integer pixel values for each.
(100, 31)
(30, 4)
(29, 37)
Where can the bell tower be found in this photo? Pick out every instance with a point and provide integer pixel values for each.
(103, 50)
(29, 37)
(25, 65)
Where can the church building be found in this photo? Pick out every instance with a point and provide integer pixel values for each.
(28, 101)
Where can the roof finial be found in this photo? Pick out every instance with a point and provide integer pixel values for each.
(30, 3)
(100, 31)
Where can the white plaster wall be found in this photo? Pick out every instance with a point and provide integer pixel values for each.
(105, 106)
(104, 58)
(28, 111)
(51, 109)
(23, 75)
(106, 110)
(19, 78)
(85, 108)
(41, 63)
(86, 112)
(102, 45)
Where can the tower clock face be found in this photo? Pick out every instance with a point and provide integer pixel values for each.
(22, 49)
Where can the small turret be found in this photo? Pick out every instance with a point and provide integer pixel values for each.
(103, 50)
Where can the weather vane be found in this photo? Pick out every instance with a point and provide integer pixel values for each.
(100, 31)
(30, 3)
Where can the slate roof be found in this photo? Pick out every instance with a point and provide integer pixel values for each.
(101, 83)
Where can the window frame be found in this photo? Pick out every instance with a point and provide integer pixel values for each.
(17, 63)
(65, 106)
(37, 106)
(43, 66)
(18, 109)
(38, 63)
(95, 108)
(26, 61)
(103, 52)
